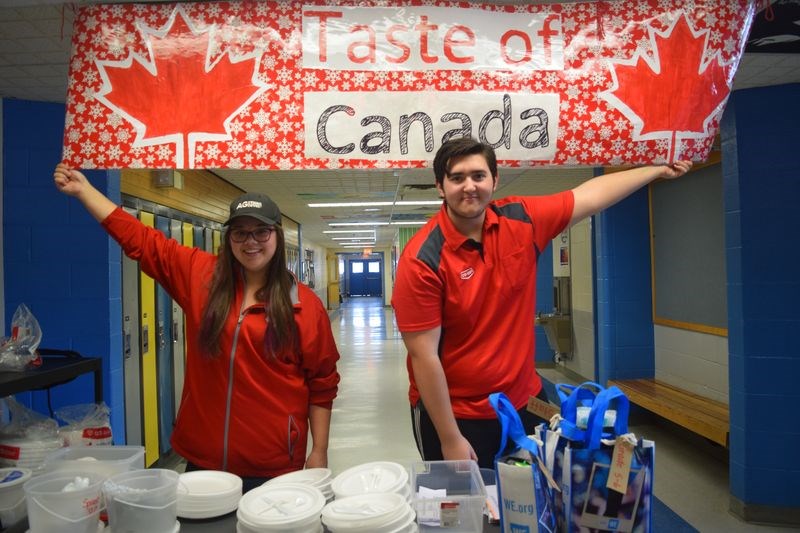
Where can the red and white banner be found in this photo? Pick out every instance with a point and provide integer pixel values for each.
(287, 85)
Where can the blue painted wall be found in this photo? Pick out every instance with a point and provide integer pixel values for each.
(624, 324)
(761, 173)
(57, 260)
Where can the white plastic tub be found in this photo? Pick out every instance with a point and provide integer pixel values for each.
(142, 501)
(12, 495)
(103, 460)
(54, 507)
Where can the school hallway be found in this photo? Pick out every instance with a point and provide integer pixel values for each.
(371, 422)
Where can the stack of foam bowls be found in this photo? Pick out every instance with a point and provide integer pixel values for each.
(281, 507)
(12, 497)
(370, 513)
(374, 477)
(142, 501)
(66, 501)
(208, 493)
(320, 478)
(28, 453)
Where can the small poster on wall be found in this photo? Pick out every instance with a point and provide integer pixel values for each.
(561, 267)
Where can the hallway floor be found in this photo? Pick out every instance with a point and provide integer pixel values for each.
(371, 422)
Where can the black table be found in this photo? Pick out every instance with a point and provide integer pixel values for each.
(55, 370)
(227, 524)
(222, 524)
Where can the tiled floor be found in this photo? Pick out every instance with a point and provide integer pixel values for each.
(371, 422)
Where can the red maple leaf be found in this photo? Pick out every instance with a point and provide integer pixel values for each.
(677, 96)
(177, 96)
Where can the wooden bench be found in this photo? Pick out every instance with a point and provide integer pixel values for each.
(703, 416)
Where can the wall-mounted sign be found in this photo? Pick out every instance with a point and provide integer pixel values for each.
(282, 85)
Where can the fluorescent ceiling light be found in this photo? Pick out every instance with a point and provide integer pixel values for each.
(352, 238)
(357, 246)
(409, 223)
(376, 204)
(349, 231)
(358, 223)
(351, 204)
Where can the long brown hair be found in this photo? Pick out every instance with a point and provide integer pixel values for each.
(281, 338)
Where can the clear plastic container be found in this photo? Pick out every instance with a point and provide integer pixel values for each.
(142, 501)
(12, 495)
(448, 496)
(103, 460)
(65, 501)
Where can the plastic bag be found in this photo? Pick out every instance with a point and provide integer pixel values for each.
(19, 351)
(87, 424)
(26, 437)
(21, 422)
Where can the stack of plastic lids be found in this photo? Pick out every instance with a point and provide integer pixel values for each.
(207, 494)
(319, 478)
(283, 507)
(375, 477)
(28, 453)
(370, 513)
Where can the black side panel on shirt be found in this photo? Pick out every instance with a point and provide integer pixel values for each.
(430, 252)
(512, 211)
(515, 212)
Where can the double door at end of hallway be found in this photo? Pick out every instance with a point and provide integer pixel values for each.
(364, 277)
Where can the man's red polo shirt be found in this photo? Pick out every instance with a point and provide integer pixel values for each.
(483, 296)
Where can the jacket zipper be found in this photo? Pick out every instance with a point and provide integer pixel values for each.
(289, 441)
(230, 390)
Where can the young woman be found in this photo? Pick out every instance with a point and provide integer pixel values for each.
(261, 359)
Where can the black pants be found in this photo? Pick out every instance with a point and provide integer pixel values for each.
(248, 483)
(482, 434)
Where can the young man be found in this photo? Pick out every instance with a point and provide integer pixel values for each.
(465, 295)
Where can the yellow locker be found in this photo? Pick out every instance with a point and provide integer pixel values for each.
(149, 368)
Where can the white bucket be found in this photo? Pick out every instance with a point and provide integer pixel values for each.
(12, 496)
(51, 508)
(142, 501)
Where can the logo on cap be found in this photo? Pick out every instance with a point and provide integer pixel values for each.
(249, 203)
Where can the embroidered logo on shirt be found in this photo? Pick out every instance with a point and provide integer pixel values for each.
(467, 273)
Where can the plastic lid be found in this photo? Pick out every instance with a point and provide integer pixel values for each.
(310, 476)
(379, 476)
(11, 477)
(364, 511)
(281, 503)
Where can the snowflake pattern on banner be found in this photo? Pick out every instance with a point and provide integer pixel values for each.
(619, 64)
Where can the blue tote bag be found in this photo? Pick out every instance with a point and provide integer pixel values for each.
(524, 487)
(605, 474)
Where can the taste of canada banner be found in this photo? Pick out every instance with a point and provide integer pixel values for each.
(366, 84)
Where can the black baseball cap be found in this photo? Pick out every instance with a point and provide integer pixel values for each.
(256, 205)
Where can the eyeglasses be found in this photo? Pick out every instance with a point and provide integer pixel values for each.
(261, 234)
